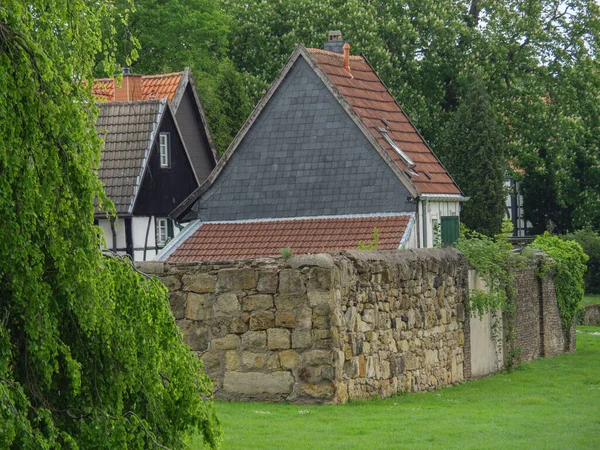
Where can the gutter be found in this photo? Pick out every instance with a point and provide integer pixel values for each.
(444, 197)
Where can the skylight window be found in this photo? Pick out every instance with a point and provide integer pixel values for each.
(403, 156)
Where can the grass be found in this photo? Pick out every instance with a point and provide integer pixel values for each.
(549, 403)
(591, 299)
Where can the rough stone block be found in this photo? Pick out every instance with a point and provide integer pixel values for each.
(254, 360)
(273, 362)
(254, 340)
(226, 305)
(278, 339)
(177, 302)
(319, 391)
(235, 280)
(289, 359)
(238, 326)
(341, 392)
(301, 339)
(303, 318)
(256, 383)
(317, 357)
(201, 283)
(151, 267)
(319, 278)
(198, 306)
(211, 360)
(267, 282)
(285, 319)
(232, 360)
(287, 302)
(262, 320)
(319, 298)
(229, 342)
(257, 302)
(196, 337)
(172, 282)
(290, 282)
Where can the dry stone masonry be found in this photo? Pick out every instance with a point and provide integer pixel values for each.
(328, 328)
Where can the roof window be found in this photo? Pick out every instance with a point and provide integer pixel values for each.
(403, 156)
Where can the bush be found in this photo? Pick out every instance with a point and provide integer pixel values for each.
(590, 242)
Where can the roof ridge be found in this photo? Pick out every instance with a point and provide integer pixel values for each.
(334, 54)
(163, 75)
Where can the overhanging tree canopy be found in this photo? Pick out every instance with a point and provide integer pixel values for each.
(90, 356)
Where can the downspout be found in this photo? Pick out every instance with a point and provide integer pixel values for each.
(418, 224)
(424, 215)
(146, 240)
(114, 234)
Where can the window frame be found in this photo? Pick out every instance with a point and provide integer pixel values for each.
(164, 150)
(160, 223)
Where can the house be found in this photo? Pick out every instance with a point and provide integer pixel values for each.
(327, 156)
(157, 151)
(514, 203)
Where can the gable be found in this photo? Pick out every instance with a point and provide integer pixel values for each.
(371, 101)
(162, 189)
(303, 156)
(194, 134)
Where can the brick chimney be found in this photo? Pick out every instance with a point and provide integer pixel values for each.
(130, 89)
(334, 43)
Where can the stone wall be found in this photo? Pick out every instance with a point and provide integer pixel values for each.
(399, 323)
(537, 325)
(329, 328)
(591, 315)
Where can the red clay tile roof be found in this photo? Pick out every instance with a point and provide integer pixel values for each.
(153, 87)
(221, 241)
(371, 101)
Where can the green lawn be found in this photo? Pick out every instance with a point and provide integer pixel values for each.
(550, 403)
(591, 299)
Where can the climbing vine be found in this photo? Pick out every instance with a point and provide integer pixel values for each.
(497, 264)
(568, 261)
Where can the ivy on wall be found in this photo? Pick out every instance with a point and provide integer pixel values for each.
(568, 260)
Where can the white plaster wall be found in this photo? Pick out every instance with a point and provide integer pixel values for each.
(119, 229)
(139, 225)
(434, 210)
(487, 352)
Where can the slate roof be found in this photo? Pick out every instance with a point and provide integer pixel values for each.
(128, 131)
(153, 87)
(220, 241)
(371, 101)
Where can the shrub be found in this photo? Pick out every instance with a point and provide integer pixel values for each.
(590, 242)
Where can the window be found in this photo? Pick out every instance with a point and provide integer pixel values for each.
(450, 229)
(164, 231)
(165, 150)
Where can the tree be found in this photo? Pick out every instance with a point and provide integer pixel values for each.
(90, 356)
(537, 58)
(472, 148)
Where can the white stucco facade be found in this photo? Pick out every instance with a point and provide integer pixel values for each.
(430, 213)
(143, 233)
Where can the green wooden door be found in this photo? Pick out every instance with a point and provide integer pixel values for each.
(450, 228)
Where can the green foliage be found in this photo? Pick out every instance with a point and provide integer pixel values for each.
(569, 262)
(286, 252)
(172, 35)
(590, 242)
(472, 148)
(537, 60)
(226, 103)
(496, 264)
(90, 356)
(373, 244)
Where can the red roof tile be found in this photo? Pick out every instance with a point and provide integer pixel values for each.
(240, 240)
(371, 101)
(153, 87)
